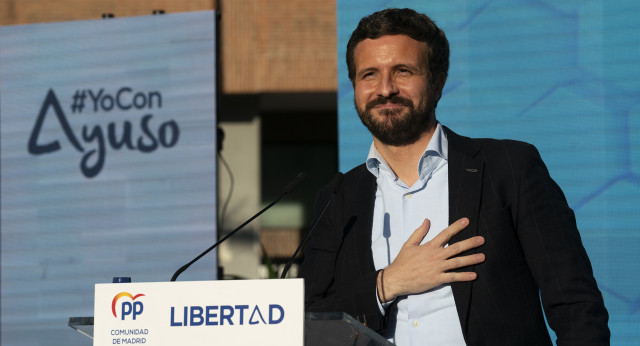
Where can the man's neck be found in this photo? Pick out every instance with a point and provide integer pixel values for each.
(404, 159)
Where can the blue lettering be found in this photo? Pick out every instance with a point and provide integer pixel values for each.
(196, 316)
(125, 139)
(211, 314)
(173, 323)
(214, 315)
(123, 89)
(271, 319)
(95, 98)
(153, 142)
(226, 316)
(125, 99)
(140, 100)
(36, 149)
(166, 135)
(157, 96)
(88, 170)
(137, 309)
(127, 308)
(107, 102)
(251, 320)
(242, 308)
(186, 314)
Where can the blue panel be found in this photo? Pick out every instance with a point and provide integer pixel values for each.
(148, 209)
(562, 75)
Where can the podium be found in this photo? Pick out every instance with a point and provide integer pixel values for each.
(233, 312)
(337, 329)
(320, 329)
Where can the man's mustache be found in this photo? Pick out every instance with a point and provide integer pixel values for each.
(393, 99)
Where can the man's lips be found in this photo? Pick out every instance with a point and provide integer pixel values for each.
(392, 103)
(389, 105)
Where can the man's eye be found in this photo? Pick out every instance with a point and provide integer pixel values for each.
(368, 75)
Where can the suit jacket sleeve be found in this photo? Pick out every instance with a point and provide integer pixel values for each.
(549, 237)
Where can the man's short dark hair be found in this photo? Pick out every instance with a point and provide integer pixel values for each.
(405, 21)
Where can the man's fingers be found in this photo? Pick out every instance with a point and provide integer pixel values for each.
(457, 277)
(419, 233)
(464, 261)
(448, 233)
(462, 246)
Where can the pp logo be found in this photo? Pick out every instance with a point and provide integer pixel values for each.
(131, 308)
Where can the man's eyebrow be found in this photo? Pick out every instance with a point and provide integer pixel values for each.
(365, 70)
(415, 68)
(407, 66)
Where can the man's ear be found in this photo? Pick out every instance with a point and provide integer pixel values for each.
(439, 82)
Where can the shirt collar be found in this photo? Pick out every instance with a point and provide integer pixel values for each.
(438, 148)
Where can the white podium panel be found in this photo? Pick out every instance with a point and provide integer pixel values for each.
(242, 312)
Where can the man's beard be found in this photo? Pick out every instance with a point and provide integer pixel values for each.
(395, 128)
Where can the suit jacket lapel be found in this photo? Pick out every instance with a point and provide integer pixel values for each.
(466, 170)
(364, 208)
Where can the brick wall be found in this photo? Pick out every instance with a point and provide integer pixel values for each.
(43, 11)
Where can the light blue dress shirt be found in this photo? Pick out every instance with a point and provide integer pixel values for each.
(428, 318)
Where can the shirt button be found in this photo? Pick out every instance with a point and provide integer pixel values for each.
(416, 324)
(409, 195)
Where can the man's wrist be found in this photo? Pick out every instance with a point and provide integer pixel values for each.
(385, 294)
(381, 292)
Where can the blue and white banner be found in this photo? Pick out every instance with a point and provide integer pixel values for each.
(108, 162)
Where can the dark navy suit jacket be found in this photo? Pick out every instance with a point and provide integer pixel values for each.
(533, 251)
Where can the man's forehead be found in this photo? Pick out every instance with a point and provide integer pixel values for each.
(389, 46)
(398, 41)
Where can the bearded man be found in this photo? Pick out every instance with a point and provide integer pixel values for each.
(439, 239)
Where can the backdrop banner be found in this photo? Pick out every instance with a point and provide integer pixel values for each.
(108, 162)
(562, 75)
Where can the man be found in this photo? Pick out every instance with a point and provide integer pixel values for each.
(440, 239)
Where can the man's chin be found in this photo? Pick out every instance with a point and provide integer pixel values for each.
(390, 112)
(395, 140)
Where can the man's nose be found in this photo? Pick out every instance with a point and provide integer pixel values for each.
(387, 86)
